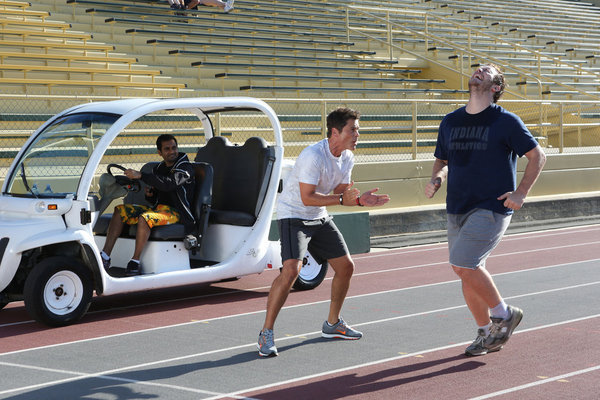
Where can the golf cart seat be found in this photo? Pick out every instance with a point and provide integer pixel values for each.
(241, 178)
(201, 205)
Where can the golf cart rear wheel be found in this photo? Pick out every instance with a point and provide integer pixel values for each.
(311, 274)
(58, 291)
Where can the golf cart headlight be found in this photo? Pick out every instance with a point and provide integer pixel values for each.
(40, 206)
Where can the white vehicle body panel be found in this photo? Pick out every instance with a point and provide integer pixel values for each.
(28, 223)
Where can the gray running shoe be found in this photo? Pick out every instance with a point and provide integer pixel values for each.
(477, 348)
(502, 329)
(266, 344)
(340, 330)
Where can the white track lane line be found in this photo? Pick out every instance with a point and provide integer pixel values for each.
(305, 305)
(354, 367)
(104, 374)
(491, 256)
(442, 263)
(328, 278)
(81, 375)
(390, 253)
(507, 238)
(537, 383)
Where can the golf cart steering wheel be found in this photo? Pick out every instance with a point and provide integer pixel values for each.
(129, 184)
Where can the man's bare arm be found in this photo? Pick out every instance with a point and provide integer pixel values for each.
(438, 176)
(535, 162)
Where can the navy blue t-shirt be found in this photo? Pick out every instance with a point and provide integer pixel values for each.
(481, 150)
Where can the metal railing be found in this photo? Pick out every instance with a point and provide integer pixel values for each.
(391, 129)
(427, 21)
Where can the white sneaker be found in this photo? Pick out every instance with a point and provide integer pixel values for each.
(228, 5)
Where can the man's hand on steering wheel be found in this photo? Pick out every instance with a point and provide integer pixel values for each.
(133, 174)
(127, 181)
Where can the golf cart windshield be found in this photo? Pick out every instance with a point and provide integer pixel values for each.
(52, 164)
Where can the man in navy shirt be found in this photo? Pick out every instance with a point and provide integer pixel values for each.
(476, 152)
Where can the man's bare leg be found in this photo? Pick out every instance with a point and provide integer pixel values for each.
(343, 268)
(479, 291)
(115, 227)
(280, 290)
(141, 237)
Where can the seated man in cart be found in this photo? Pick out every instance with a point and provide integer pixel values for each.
(170, 190)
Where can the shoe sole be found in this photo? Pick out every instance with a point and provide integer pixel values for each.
(267, 355)
(273, 354)
(483, 354)
(338, 336)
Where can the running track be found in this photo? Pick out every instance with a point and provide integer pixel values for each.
(198, 342)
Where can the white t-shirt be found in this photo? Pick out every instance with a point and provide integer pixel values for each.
(316, 166)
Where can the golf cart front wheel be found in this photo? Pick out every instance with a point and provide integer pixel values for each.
(58, 291)
(311, 274)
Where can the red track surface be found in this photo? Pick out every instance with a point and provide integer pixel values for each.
(558, 362)
(448, 374)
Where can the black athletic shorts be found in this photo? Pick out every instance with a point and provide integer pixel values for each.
(320, 236)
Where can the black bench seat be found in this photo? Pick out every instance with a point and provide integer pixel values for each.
(357, 69)
(241, 177)
(326, 78)
(283, 56)
(251, 47)
(211, 35)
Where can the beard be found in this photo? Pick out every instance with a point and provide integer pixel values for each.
(477, 86)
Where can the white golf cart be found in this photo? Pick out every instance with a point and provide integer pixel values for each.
(52, 220)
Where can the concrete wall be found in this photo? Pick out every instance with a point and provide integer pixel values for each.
(404, 181)
(403, 227)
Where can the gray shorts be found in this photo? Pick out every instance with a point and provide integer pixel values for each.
(473, 236)
(321, 237)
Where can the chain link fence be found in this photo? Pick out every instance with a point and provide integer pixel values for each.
(396, 130)
(55, 162)
(391, 130)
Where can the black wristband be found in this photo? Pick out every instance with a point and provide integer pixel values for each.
(358, 202)
(342, 199)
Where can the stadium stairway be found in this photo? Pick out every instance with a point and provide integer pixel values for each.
(267, 50)
(301, 50)
(39, 55)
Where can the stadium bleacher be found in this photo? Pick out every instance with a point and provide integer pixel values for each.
(416, 53)
(40, 55)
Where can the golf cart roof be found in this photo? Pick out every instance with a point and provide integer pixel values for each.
(145, 105)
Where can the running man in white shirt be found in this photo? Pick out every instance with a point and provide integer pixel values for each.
(321, 177)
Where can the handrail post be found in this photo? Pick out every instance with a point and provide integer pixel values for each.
(347, 25)
(389, 33)
(461, 75)
(579, 140)
(414, 130)
(324, 118)
(469, 48)
(561, 129)
(217, 126)
(426, 31)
